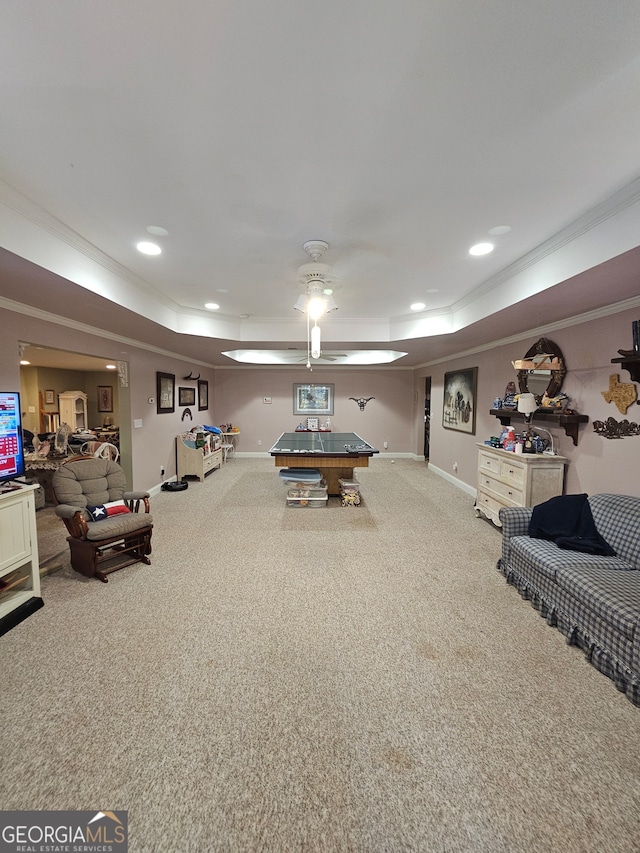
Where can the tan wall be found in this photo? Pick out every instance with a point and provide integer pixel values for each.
(395, 416)
(239, 399)
(143, 451)
(596, 464)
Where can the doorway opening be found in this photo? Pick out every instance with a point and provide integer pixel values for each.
(427, 416)
(79, 390)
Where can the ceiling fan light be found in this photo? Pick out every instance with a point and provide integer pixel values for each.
(316, 306)
(315, 342)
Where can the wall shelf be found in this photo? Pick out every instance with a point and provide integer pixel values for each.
(631, 364)
(570, 423)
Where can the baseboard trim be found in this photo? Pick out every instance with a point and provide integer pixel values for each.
(246, 454)
(470, 490)
(15, 617)
(155, 490)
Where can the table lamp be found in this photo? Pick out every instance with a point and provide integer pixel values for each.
(527, 405)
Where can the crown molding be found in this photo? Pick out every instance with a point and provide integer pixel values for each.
(47, 316)
(617, 203)
(540, 331)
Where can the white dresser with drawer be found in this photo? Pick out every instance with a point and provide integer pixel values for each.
(509, 479)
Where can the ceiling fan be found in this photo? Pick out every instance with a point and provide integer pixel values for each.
(317, 300)
(300, 356)
(318, 280)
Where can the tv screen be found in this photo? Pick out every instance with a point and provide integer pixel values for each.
(11, 445)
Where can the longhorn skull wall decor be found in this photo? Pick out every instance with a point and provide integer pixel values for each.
(362, 401)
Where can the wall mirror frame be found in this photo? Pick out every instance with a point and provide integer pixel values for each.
(542, 370)
(543, 379)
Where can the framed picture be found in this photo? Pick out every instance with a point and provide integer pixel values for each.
(166, 393)
(203, 394)
(313, 399)
(313, 423)
(459, 403)
(105, 398)
(49, 397)
(186, 396)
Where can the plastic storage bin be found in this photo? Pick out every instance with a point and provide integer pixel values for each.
(348, 487)
(308, 503)
(307, 490)
(300, 475)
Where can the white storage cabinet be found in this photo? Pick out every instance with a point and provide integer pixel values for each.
(509, 479)
(73, 409)
(194, 461)
(19, 563)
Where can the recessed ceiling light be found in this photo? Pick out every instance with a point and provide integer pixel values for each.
(22, 361)
(212, 306)
(417, 306)
(481, 249)
(497, 230)
(157, 231)
(148, 248)
(111, 367)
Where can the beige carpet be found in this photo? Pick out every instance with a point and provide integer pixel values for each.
(338, 679)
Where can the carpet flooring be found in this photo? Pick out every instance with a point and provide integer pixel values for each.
(335, 679)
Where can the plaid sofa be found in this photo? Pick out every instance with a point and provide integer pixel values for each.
(593, 600)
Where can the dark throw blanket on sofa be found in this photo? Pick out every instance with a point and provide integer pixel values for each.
(567, 521)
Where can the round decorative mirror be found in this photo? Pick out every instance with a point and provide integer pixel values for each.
(541, 370)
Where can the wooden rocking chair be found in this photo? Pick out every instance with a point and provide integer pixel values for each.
(87, 488)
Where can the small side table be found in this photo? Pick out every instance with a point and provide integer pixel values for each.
(229, 444)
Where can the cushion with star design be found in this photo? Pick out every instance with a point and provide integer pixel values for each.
(102, 511)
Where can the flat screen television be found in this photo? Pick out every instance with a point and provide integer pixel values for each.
(11, 444)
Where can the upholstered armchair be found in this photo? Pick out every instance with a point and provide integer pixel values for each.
(109, 528)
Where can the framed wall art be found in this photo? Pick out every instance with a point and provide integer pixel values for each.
(186, 396)
(459, 402)
(49, 397)
(105, 398)
(313, 399)
(203, 394)
(166, 393)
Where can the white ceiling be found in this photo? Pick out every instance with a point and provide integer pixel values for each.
(400, 133)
